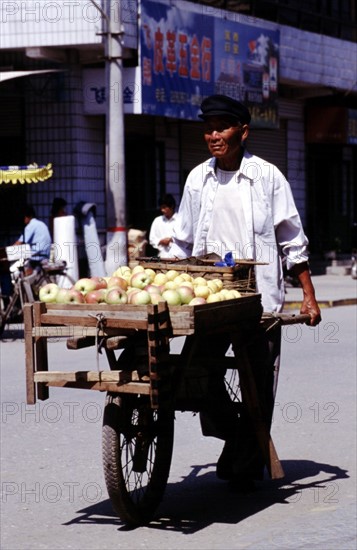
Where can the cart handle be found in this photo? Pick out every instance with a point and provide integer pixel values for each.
(286, 318)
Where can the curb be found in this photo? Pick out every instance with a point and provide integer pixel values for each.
(324, 303)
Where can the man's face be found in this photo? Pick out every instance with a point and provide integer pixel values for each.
(224, 136)
(167, 211)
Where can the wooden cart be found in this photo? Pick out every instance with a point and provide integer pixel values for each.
(147, 383)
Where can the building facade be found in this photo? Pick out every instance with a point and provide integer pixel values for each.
(53, 98)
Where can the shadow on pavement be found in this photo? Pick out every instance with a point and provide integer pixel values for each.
(201, 499)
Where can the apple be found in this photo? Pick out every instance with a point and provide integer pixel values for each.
(153, 289)
(116, 296)
(117, 281)
(85, 284)
(171, 274)
(170, 285)
(130, 293)
(48, 292)
(179, 279)
(62, 296)
(156, 298)
(236, 293)
(218, 282)
(141, 298)
(202, 291)
(140, 280)
(121, 271)
(172, 297)
(160, 279)
(187, 277)
(96, 296)
(197, 301)
(137, 269)
(188, 284)
(75, 296)
(213, 298)
(200, 281)
(150, 272)
(213, 286)
(186, 294)
(100, 282)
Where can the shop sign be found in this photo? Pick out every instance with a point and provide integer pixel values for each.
(95, 94)
(331, 124)
(190, 51)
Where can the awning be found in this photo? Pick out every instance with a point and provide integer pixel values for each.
(25, 174)
(9, 75)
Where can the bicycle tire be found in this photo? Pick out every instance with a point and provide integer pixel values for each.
(137, 451)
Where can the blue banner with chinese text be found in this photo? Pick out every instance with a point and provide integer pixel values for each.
(187, 55)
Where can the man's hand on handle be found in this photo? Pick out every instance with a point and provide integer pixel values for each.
(309, 304)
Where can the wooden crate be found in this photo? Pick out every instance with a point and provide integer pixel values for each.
(240, 277)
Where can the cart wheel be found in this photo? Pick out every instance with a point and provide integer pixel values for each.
(137, 451)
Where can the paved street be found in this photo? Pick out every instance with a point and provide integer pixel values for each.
(53, 491)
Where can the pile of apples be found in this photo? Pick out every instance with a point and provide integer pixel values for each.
(140, 286)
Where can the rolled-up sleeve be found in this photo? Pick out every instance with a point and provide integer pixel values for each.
(290, 235)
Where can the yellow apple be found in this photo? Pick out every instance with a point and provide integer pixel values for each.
(179, 279)
(218, 282)
(150, 272)
(213, 298)
(171, 274)
(212, 286)
(202, 291)
(160, 279)
(170, 285)
(137, 269)
(187, 277)
(199, 281)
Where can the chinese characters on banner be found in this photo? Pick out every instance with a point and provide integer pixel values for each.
(187, 55)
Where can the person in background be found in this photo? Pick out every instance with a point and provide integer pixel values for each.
(37, 235)
(160, 236)
(237, 202)
(58, 209)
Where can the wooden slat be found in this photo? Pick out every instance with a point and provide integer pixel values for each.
(118, 376)
(29, 355)
(130, 387)
(40, 350)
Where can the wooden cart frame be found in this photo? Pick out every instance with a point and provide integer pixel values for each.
(140, 400)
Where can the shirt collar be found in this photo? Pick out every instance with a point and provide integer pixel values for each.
(211, 166)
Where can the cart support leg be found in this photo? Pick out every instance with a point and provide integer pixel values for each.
(250, 398)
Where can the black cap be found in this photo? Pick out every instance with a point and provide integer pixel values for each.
(220, 105)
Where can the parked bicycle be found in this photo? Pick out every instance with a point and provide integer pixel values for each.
(25, 288)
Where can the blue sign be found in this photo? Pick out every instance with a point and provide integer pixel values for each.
(187, 55)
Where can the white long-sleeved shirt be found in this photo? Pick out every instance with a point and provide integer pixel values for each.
(162, 228)
(273, 223)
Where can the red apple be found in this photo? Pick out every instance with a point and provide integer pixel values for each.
(186, 293)
(117, 282)
(96, 296)
(85, 284)
(75, 296)
(116, 296)
(100, 282)
(197, 301)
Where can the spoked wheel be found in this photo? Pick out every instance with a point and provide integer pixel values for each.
(137, 451)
